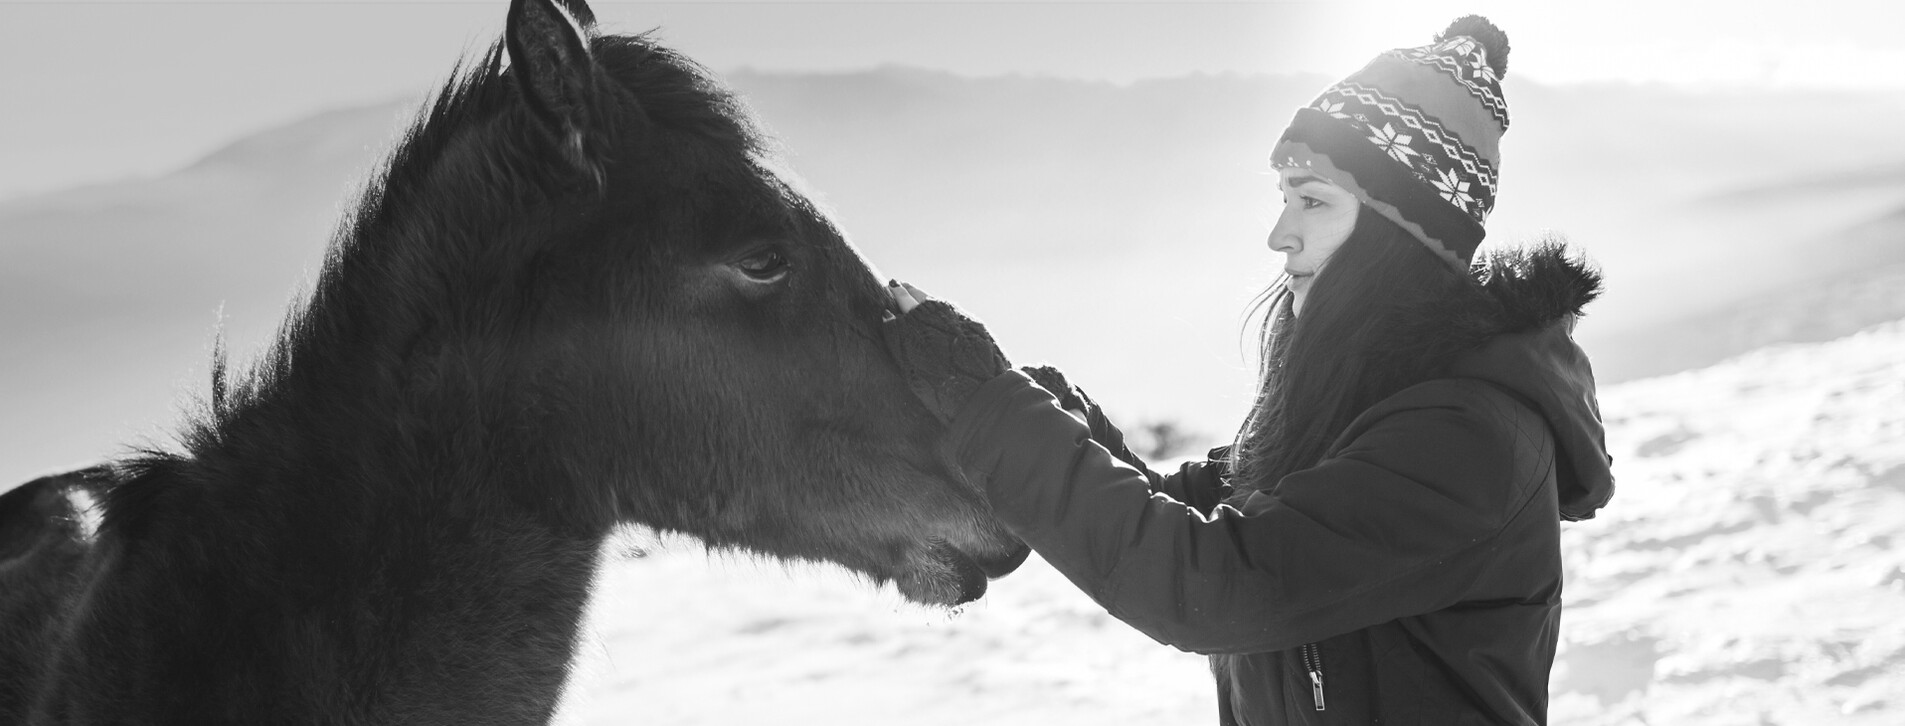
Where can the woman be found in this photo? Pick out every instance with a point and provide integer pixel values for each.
(1381, 543)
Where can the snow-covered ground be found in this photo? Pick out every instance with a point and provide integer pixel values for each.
(1750, 570)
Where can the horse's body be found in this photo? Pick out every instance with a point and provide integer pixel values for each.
(574, 299)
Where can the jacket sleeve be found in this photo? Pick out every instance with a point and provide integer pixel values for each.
(1398, 522)
(1198, 484)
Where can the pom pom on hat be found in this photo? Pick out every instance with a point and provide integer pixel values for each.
(1493, 40)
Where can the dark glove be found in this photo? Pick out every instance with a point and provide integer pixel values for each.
(1073, 398)
(1053, 381)
(946, 356)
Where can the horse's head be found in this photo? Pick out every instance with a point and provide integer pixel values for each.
(654, 323)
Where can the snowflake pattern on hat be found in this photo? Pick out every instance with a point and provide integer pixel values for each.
(1417, 141)
(1393, 143)
(1464, 60)
(1453, 188)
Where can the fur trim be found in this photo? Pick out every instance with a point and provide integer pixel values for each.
(1513, 291)
(1537, 285)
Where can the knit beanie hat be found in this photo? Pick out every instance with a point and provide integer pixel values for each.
(1415, 135)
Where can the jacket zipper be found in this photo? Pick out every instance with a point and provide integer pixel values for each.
(1313, 662)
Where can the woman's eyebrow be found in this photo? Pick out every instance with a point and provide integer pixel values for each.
(1297, 181)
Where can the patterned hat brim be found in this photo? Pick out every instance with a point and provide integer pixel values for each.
(1341, 154)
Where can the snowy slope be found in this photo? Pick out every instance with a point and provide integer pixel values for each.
(1752, 566)
(1751, 570)
(682, 639)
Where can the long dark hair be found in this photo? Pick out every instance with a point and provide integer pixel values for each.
(1369, 329)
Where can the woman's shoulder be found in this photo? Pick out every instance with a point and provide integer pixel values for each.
(1474, 395)
(1469, 439)
(1464, 416)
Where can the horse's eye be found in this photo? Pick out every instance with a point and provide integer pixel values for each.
(764, 266)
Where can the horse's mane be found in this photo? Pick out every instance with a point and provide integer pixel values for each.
(667, 89)
(673, 91)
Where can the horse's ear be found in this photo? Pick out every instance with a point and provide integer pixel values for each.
(579, 9)
(549, 52)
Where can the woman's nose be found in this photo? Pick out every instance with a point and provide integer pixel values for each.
(1283, 238)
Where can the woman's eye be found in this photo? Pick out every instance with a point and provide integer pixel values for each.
(1312, 202)
(764, 266)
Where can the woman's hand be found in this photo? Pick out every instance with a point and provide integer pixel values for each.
(945, 354)
(905, 296)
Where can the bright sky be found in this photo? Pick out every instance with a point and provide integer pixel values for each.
(95, 91)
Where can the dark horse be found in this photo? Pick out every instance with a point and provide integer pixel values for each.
(574, 298)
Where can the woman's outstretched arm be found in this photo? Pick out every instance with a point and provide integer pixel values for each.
(1398, 522)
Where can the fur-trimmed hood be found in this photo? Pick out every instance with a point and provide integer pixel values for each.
(1516, 332)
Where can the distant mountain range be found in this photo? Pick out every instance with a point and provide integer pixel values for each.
(1115, 230)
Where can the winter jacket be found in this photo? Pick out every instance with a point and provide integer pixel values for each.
(1412, 576)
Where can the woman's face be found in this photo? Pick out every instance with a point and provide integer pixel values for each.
(1317, 217)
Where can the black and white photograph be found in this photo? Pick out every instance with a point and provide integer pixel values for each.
(952, 362)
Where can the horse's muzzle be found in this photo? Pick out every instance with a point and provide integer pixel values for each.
(941, 574)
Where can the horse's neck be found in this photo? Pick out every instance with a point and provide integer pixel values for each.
(382, 576)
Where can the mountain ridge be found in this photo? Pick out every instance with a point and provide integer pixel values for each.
(1116, 208)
